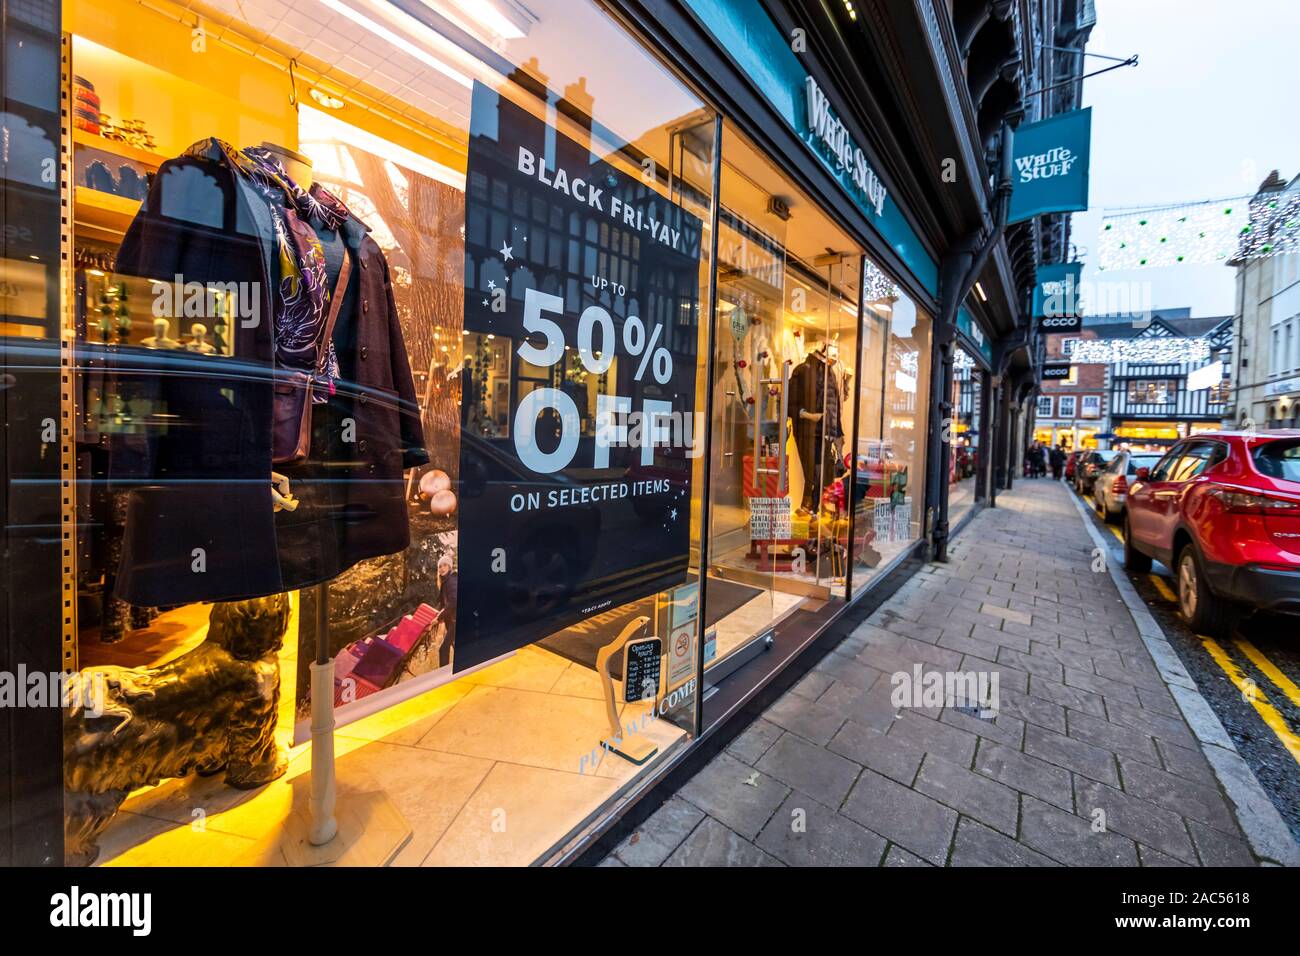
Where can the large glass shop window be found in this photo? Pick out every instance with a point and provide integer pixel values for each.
(784, 369)
(889, 464)
(964, 459)
(388, 332)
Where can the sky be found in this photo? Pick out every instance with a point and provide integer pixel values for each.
(1211, 107)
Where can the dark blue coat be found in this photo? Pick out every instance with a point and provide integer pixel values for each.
(200, 523)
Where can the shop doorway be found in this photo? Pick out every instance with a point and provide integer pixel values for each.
(966, 458)
(785, 336)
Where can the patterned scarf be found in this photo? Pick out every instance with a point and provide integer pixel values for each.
(302, 303)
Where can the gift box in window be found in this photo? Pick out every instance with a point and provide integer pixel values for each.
(883, 520)
(903, 520)
(770, 519)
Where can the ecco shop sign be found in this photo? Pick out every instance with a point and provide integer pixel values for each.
(1056, 297)
(1055, 373)
(829, 131)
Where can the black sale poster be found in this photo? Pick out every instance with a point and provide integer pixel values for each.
(578, 408)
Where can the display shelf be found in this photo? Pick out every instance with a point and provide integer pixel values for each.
(101, 215)
(153, 160)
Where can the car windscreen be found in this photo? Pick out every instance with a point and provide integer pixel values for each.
(1279, 459)
(1141, 461)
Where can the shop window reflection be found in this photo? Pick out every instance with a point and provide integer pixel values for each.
(890, 463)
(964, 436)
(392, 616)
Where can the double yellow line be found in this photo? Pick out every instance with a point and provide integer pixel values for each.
(1249, 690)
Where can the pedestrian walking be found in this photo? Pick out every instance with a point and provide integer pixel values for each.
(1058, 462)
(1039, 459)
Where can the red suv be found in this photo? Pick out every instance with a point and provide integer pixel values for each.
(1223, 511)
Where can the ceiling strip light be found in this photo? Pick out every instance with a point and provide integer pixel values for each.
(403, 44)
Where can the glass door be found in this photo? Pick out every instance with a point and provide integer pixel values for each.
(750, 471)
(822, 417)
(785, 346)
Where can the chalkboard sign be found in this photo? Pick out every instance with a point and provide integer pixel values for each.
(641, 661)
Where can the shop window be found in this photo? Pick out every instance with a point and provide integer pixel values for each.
(964, 435)
(389, 329)
(1152, 392)
(892, 403)
(786, 368)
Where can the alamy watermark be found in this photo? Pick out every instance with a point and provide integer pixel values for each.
(87, 908)
(1063, 299)
(86, 690)
(208, 300)
(975, 691)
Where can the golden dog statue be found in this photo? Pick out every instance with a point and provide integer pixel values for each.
(209, 710)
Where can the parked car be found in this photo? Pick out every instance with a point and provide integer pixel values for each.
(1087, 467)
(1222, 510)
(1110, 488)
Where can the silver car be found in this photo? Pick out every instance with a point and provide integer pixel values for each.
(1110, 489)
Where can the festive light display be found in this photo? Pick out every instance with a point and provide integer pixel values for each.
(1149, 351)
(1202, 233)
(877, 285)
(1194, 234)
(1274, 226)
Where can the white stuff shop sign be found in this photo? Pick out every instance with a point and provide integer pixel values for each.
(829, 134)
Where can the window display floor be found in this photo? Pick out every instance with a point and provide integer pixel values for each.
(751, 619)
(961, 496)
(486, 770)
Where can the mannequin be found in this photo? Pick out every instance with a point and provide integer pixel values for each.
(264, 234)
(814, 392)
(161, 338)
(199, 340)
(298, 166)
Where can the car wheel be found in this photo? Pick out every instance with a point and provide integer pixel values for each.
(1204, 612)
(1134, 560)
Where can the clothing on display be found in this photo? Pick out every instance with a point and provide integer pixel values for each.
(816, 396)
(201, 524)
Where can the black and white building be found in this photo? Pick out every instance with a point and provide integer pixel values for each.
(1167, 374)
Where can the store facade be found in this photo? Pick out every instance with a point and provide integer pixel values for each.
(505, 414)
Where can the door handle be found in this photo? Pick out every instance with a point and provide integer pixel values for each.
(783, 431)
(782, 424)
(760, 400)
(727, 411)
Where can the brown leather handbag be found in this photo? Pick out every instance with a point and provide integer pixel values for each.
(291, 424)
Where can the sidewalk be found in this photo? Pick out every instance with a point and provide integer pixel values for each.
(1088, 761)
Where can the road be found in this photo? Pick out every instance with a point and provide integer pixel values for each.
(1251, 680)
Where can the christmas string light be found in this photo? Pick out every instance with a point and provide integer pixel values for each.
(1274, 226)
(1216, 231)
(876, 284)
(1191, 234)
